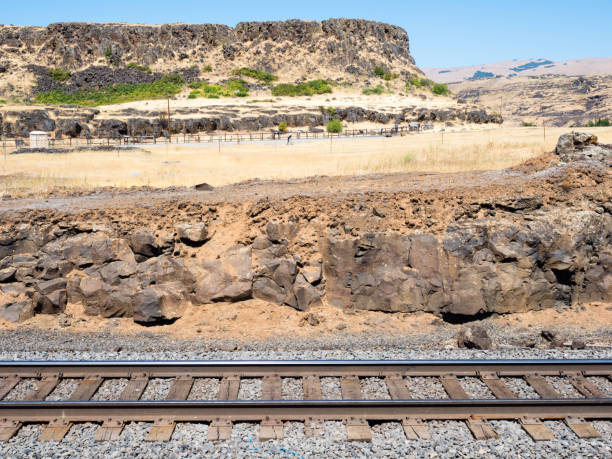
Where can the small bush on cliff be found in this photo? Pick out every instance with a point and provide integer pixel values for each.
(334, 126)
(381, 72)
(528, 124)
(142, 68)
(302, 89)
(167, 86)
(440, 89)
(207, 68)
(259, 75)
(282, 126)
(379, 89)
(59, 75)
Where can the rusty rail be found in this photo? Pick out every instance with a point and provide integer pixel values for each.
(271, 411)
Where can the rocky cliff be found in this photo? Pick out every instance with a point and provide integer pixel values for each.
(293, 49)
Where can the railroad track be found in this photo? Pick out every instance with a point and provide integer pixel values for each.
(585, 377)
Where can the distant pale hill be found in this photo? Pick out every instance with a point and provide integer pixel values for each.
(521, 67)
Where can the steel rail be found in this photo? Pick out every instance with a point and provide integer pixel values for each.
(331, 368)
(372, 410)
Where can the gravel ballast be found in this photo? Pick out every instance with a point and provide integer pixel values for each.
(448, 439)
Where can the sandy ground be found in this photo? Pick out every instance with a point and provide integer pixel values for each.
(254, 320)
(164, 165)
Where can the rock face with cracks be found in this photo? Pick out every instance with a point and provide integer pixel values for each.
(503, 255)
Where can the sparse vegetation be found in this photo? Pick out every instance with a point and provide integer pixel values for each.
(167, 86)
(601, 122)
(419, 83)
(207, 68)
(334, 126)
(302, 89)
(282, 126)
(60, 75)
(440, 89)
(3, 101)
(108, 53)
(258, 75)
(232, 88)
(379, 89)
(527, 124)
(142, 68)
(381, 72)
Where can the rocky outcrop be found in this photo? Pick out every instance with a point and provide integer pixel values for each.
(581, 145)
(73, 123)
(475, 268)
(73, 45)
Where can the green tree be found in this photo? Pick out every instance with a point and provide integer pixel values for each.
(334, 126)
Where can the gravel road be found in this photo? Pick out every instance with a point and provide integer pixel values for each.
(448, 439)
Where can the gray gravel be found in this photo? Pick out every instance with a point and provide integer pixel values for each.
(520, 387)
(204, 389)
(449, 439)
(424, 387)
(475, 388)
(110, 389)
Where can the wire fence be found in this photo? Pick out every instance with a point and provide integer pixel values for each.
(18, 143)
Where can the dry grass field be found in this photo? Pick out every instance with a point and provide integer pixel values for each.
(163, 166)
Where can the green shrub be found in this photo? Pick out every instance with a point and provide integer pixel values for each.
(192, 96)
(440, 89)
(282, 126)
(259, 75)
(59, 75)
(331, 111)
(334, 126)
(233, 88)
(207, 68)
(142, 68)
(3, 101)
(379, 71)
(379, 89)
(527, 124)
(108, 53)
(419, 83)
(302, 89)
(601, 122)
(166, 86)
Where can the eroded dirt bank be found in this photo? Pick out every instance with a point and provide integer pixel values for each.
(455, 245)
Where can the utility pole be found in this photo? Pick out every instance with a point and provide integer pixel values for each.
(543, 121)
(169, 131)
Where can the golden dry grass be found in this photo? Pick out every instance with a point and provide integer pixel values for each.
(163, 166)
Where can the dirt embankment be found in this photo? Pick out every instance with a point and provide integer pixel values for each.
(536, 237)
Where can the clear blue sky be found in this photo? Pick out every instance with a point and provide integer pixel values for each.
(442, 33)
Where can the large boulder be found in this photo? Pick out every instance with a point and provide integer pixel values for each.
(89, 249)
(581, 145)
(228, 278)
(160, 303)
(193, 234)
